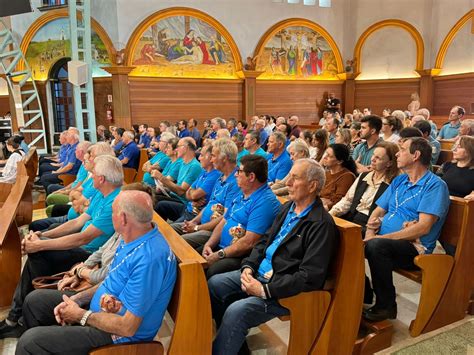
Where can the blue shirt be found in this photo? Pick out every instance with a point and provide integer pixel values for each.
(212, 135)
(448, 131)
(24, 146)
(280, 167)
(71, 159)
(63, 152)
(263, 136)
(145, 139)
(332, 138)
(205, 182)
(435, 149)
(162, 160)
(403, 202)
(81, 175)
(142, 276)
(434, 130)
(255, 213)
(265, 270)
(365, 153)
(234, 132)
(188, 173)
(223, 193)
(100, 211)
(132, 152)
(184, 133)
(245, 152)
(196, 135)
(172, 169)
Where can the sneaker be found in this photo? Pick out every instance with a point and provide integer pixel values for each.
(7, 331)
(377, 314)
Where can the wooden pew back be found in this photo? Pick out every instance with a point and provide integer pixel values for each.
(10, 251)
(129, 175)
(142, 161)
(444, 156)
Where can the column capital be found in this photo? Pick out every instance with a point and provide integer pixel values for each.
(249, 74)
(118, 70)
(429, 72)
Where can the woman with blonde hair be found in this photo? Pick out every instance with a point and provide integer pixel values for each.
(414, 105)
(343, 136)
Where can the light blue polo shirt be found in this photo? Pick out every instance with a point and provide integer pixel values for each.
(265, 270)
(188, 173)
(132, 152)
(245, 152)
(172, 169)
(280, 167)
(81, 175)
(435, 149)
(163, 160)
(364, 152)
(449, 131)
(100, 211)
(429, 195)
(142, 276)
(255, 213)
(224, 192)
(205, 182)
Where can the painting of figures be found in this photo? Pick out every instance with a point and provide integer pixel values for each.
(52, 42)
(296, 53)
(183, 46)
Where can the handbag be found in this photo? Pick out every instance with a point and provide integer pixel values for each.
(51, 283)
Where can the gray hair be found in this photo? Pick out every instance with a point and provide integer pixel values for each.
(166, 136)
(129, 134)
(74, 132)
(223, 133)
(299, 146)
(239, 137)
(227, 149)
(424, 112)
(346, 135)
(136, 204)
(84, 146)
(254, 135)
(470, 124)
(220, 122)
(279, 136)
(314, 172)
(399, 114)
(110, 168)
(102, 148)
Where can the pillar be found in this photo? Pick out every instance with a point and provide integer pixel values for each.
(249, 92)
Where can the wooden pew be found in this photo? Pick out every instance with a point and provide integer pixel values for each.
(142, 161)
(190, 305)
(446, 144)
(10, 250)
(444, 156)
(129, 175)
(67, 178)
(327, 321)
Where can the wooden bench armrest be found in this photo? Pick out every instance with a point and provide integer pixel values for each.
(146, 348)
(5, 191)
(307, 313)
(436, 269)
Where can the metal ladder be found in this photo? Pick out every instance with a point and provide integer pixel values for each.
(81, 49)
(26, 98)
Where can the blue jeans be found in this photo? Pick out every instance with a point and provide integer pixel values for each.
(235, 312)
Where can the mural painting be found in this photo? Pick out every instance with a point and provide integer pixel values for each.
(52, 42)
(183, 46)
(296, 53)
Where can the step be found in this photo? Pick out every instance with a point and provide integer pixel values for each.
(29, 100)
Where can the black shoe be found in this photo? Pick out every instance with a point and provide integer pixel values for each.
(244, 349)
(377, 314)
(7, 331)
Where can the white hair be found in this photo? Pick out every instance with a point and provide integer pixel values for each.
(110, 168)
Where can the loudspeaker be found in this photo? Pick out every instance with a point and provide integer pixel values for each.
(14, 7)
(77, 72)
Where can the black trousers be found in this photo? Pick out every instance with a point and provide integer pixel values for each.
(384, 256)
(42, 264)
(45, 336)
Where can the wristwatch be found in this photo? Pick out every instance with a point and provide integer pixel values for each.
(221, 254)
(196, 227)
(84, 318)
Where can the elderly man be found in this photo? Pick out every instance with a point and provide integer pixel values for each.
(127, 307)
(189, 171)
(251, 213)
(217, 123)
(194, 132)
(197, 230)
(263, 134)
(426, 114)
(159, 161)
(332, 124)
(425, 128)
(129, 153)
(370, 129)
(451, 129)
(69, 166)
(103, 134)
(406, 222)
(197, 195)
(232, 126)
(292, 257)
(295, 129)
(279, 162)
(59, 249)
(252, 146)
(47, 164)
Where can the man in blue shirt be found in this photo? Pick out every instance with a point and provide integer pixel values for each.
(425, 128)
(450, 130)
(279, 161)
(58, 249)
(232, 127)
(47, 164)
(251, 213)
(145, 139)
(130, 154)
(252, 146)
(194, 132)
(217, 123)
(332, 124)
(183, 129)
(197, 230)
(197, 195)
(370, 129)
(292, 257)
(159, 161)
(407, 222)
(128, 306)
(263, 135)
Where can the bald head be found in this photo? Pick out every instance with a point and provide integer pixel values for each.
(137, 205)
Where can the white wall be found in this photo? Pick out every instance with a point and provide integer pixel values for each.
(460, 55)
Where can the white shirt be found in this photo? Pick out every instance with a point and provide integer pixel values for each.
(9, 172)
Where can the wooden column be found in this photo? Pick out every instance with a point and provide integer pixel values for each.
(120, 95)
(348, 101)
(249, 92)
(426, 87)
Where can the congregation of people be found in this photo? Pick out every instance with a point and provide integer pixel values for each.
(255, 198)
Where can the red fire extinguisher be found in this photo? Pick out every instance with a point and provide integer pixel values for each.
(109, 112)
